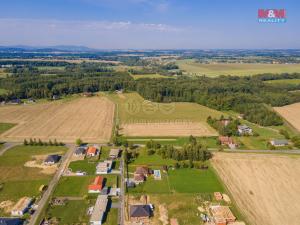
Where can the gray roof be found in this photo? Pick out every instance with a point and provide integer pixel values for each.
(140, 211)
(280, 142)
(53, 158)
(80, 150)
(99, 209)
(10, 221)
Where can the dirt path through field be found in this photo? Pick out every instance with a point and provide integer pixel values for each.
(265, 187)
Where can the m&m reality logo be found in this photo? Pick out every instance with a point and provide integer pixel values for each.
(272, 15)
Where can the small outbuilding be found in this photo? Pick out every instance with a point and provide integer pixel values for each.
(114, 153)
(279, 142)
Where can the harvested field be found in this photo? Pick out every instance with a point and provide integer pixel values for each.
(174, 129)
(291, 114)
(90, 119)
(265, 187)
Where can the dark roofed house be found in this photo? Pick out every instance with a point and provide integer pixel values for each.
(140, 213)
(11, 221)
(52, 159)
(80, 151)
(279, 142)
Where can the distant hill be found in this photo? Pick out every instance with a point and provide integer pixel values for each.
(59, 48)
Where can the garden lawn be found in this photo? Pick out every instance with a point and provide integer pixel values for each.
(111, 217)
(194, 181)
(19, 181)
(78, 185)
(151, 160)
(73, 212)
(83, 165)
(151, 186)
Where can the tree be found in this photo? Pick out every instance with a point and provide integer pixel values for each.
(25, 142)
(78, 142)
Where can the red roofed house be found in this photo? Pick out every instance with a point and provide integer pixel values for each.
(92, 151)
(225, 140)
(97, 185)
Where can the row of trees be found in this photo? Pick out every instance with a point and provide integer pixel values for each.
(39, 142)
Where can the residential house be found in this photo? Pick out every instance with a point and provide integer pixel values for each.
(218, 196)
(225, 122)
(15, 101)
(52, 159)
(138, 178)
(55, 97)
(244, 130)
(96, 186)
(222, 215)
(11, 221)
(21, 206)
(114, 153)
(104, 167)
(99, 210)
(143, 170)
(279, 142)
(225, 140)
(92, 151)
(140, 213)
(80, 151)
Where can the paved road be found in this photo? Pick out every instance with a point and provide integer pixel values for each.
(7, 146)
(44, 200)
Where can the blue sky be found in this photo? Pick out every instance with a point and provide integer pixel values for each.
(147, 24)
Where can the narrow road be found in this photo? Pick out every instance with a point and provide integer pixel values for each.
(122, 194)
(8, 145)
(44, 200)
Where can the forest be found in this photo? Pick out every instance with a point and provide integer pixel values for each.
(248, 95)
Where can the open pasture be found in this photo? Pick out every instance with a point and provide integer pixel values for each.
(265, 187)
(18, 180)
(192, 67)
(140, 118)
(90, 119)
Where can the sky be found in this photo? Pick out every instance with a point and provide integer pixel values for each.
(148, 24)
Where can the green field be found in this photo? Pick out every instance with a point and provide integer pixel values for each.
(191, 67)
(284, 81)
(84, 165)
(78, 185)
(133, 108)
(66, 213)
(19, 181)
(194, 181)
(152, 76)
(151, 160)
(5, 126)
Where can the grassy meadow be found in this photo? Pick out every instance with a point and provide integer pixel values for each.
(18, 180)
(191, 67)
(133, 108)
